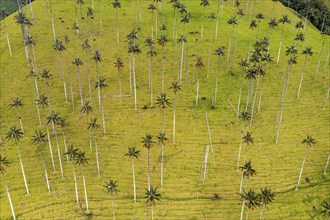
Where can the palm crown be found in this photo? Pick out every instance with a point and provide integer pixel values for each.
(199, 63)
(77, 62)
(58, 46)
(85, 45)
(220, 51)
(134, 48)
(53, 118)
(132, 152)
(162, 101)
(162, 40)
(3, 162)
(152, 195)
(72, 152)
(309, 141)
(267, 196)
(116, 4)
(147, 141)
(97, 56)
(93, 124)
(14, 134)
(176, 87)
(307, 51)
(100, 82)
(86, 108)
(39, 137)
(248, 139)
(248, 170)
(272, 23)
(252, 198)
(42, 100)
(22, 19)
(111, 186)
(119, 64)
(161, 138)
(284, 19)
(81, 158)
(17, 102)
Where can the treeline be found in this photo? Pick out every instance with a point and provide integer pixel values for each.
(315, 10)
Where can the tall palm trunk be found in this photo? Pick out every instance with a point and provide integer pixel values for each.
(249, 94)
(58, 149)
(174, 118)
(71, 91)
(25, 46)
(280, 47)
(117, 31)
(45, 170)
(202, 30)
(181, 62)
(163, 148)
(50, 148)
(260, 97)
(254, 100)
(113, 211)
(75, 183)
(64, 142)
(163, 80)
(326, 165)
(20, 120)
(85, 190)
(134, 184)
(217, 23)
(301, 169)
(229, 48)
(9, 198)
(216, 83)
(22, 169)
(318, 63)
(152, 24)
(240, 148)
(150, 80)
(239, 102)
(302, 75)
(62, 75)
(149, 169)
(134, 81)
(209, 134)
(80, 87)
(7, 37)
(100, 15)
(52, 18)
(97, 155)
(247, 214)
(242, 210)
(197, 91)
(119, 83)
(89, 76)
(103, 119)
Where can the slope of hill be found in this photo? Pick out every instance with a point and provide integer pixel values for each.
(183, 195)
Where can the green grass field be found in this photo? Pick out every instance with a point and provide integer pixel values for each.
(183, 194)
(10, 6)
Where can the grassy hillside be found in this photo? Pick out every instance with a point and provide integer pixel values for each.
(183, 194)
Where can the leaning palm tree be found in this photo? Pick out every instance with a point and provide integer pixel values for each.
(82, 160)
(40, 139)
(78, 62)
(100, 84)
(3, 15)
(247, 172)
(135, 50)
(284, 20)
(94, 125)
(119, 65)
(54, 119)
(309, 141)
(162, 42)
(86, 46)
(16, 134)
(133, 153)
(220, 52)
(182, 39)
(72, 153)
(148, 143)
(4, 162)
(198, 64)
(152, 196)
(116, 5)
(203, 3)
(59, 47)
(87, 109)
(267, 197)
(307, 52)
(252, 199)
(18, 103)
(176, 88)
(111, 187)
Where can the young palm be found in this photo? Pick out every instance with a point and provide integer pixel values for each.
(198, 64)
(78, 62)
(54, 119)
(309, 142)
(94, 125)
(81, 160)
(59, 47)
(252, 199)
(220, 52)
(97, 58)
(182, 39)
(203, 3)
(148, 143)
(40, 139)
(247, 172)
(86, 47)
(72, 154)
(176, 88)
(132, 154)
(119, 65)
(266, 197)
(18, 103)
(111, 187)
(4, 162)
(87, 109)
(3, 15)
(284, 20)
(135, 50)
(117, 5)
(307, 52)
(152, 196)
(162, 42)
(16, 134)
(100, 84)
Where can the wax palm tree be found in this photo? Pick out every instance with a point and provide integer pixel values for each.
(162, 42)
(40, 139)
(247, 172)
(309, 142)
(198, 64)
(63, 124)
(300, 37)
(81, 2)
(325, 209)
(4, 162)
(111, 187)
(253, 25)
(29, 42)
(148, 143)
(24, 22)
(135, 50)
(220, 52)
(100, 84)
(156, 24)
(34, 75)
(324, 33)
(97, 58)
(182, 39)
(176, 88)
(46, 76)
(250, 75)
(176, 5)
(132, 154)
(161, 139)
(271, 25)
(299, 25)
(232, 21)
(252, 199)
(72, 154)
(16, 134)
(152, 196)
(212, 18)
(81, 160)
(3, 15)
(307, 52)
(151, 53)
(163, 102)
(119, 65)
(152, 7)
(117, 5)
(94, 125)
(90, 15)
(260, 17)
(284, 20)
(87, 109)
(266, 197)
(59, 48)
(54, 119)
(248, 140)
(203, 3)
(18, 103)
(78, 62)
(245, 117)
(86, 46)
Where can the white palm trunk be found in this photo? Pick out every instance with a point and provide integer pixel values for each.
(254, 100)
(80, 87)
(134, 83)
(197, 91)
(50, 147)
(181, 62)
(65, 148)
(242, 210)
(130, 76)
(45, 170)
(260, 97)
(318, 63)
(247, 214)
(326, 165)
(151, 91)
(7, 37)
(162, 166)
(88, 76)
(301, 169)
(239, 102)
(326, 98)
(148, 169)
(119, 82)
(205, 162)
(240, 148)
(20, 121)
(22, 169)
(302, 76)
(216, 83)
(249, 94)
(52, 18)
(209, 134)
(174, 118)
(62, 75)
(217, 23)
(280, 47)
(9, 198)
(85, 190)
(75, 183)
(241, 183)
(58, 149)
(113, 211)
(134, 184)
(163, 80)
(71, 91)
(103, 119)
(97, 155)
